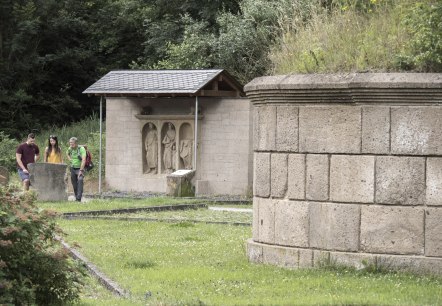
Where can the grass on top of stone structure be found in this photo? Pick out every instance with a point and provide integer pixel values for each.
(206, 264)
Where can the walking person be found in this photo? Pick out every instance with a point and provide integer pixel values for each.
(53, 151)
(77, 159)
(26, 153)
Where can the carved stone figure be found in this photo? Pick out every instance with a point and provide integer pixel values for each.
(186, 153)
(151, 146)
(169, 149)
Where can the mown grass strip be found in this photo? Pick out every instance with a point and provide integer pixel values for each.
(141, 219)
(134, 210)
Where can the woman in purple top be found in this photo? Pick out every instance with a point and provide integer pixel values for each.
(26, 153)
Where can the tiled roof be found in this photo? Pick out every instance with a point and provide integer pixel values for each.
(153, 82)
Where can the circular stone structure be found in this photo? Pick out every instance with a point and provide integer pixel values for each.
(348, 170)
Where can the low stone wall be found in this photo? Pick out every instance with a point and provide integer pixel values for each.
(348, 168)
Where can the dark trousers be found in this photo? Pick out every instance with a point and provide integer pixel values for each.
(77, 183)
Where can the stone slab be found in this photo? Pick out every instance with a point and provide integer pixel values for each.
(292, 223)
(278, 174)
(179, 183)
(334, 226)
(400, 180)
(414, 264)
(266, 128)
(433, 232)
(356, 260)
(434, 181)
(266, 227)
(49, 181)
(376, 129)
(287, 128)
(352, 178)
(317, 178)
(296, 177)
(392, 230)
(325, 129)
(261, 177)
(415, 130)
(254, 251)
(255, 219)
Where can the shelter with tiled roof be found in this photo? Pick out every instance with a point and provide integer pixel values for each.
(153, 129)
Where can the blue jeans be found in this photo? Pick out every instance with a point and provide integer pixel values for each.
(23, 176)
(77, 183)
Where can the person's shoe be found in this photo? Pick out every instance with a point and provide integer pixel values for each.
(78, 200)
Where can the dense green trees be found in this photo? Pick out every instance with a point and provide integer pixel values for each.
(51, 50)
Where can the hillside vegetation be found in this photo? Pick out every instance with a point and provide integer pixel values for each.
(375, 35)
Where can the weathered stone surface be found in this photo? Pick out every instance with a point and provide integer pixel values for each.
(255, 220)
(414, 264)
(352, 178)
(254, 251)
(356, 260)
(320, 258)
(296, 177)
(267, 128)
(392, 230)
(433, 232)
(266, 210)
(434, 181)
(416, 130)
(261, 177)
(48, 180)
(400, 180)
(280, 256)
(317, 177)
(325, 129)
(292, 223)
(305, 258)
(287, 128)
(376, 129)
(278, 175)
(179, 183)
(4, 176)
(334, 226)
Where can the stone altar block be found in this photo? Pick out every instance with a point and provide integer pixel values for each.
(48, 180)
(179, 183)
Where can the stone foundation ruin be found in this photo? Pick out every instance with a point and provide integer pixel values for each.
(348, 169)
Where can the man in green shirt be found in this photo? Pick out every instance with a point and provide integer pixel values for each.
(77, 158)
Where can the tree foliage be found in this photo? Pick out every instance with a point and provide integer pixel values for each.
(51, 50)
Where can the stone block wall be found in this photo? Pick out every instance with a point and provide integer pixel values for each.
(224, 157)
(348, 168)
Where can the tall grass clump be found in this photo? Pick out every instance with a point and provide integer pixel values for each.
(87, 131)
(342, 38)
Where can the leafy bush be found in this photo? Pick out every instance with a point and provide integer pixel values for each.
(8, 147)
(34, 268)
(423, 51)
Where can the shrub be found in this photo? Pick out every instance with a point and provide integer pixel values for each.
(7, 151)
(34, 268)
(423, 51)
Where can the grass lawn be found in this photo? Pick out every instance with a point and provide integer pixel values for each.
(188, 264)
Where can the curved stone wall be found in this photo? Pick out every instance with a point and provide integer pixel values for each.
(348, 168)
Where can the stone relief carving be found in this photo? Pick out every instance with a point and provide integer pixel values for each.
(151, 146)
(186, 153)
(169, 154)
